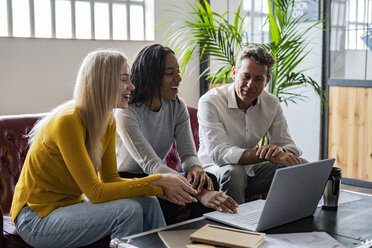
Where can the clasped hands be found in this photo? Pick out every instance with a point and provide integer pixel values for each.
(181, 191)
(275, 154)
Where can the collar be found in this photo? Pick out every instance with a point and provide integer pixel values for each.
(231, 98)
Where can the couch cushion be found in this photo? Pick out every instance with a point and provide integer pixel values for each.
(13, 150)
(193, 112)
(173, 160)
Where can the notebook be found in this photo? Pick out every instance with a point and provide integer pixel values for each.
(294, 194)
(227, 237)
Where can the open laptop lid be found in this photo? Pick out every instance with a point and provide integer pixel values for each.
(294, 193)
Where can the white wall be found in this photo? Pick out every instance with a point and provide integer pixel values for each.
(38, 74)
(304, 117)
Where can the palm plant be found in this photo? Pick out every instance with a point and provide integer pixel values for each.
(222, 41)
(210, 31)
(288, 47)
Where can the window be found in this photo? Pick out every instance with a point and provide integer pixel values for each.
(351, 39)
(257, 12)
(78, 19)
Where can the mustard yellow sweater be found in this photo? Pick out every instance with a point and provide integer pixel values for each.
(58, 172)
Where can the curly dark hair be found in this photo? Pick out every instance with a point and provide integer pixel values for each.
(148, 71)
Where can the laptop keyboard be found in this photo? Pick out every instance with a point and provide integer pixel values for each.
(249, 219)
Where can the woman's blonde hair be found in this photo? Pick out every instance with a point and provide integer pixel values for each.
(96, 94)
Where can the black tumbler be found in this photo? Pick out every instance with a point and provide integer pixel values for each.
(332, 190)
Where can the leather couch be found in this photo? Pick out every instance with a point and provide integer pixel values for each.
(13, 150)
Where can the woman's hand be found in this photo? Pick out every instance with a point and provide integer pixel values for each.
(176, 189)
(218, 201)
(198, 177)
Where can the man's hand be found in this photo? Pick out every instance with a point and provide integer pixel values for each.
(176, 189)
(218, 201)
(198, 177)
(286, 159)
(267, 151)
(275, 154)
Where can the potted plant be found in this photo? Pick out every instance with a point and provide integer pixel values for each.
(204, 32)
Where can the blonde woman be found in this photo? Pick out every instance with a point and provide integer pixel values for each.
(69, 193)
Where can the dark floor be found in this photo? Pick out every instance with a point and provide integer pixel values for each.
(356, 189)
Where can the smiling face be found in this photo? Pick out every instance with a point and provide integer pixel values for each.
(171, 79)
(126, 87)
(250, 80)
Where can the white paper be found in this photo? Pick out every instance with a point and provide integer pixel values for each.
(301, 240)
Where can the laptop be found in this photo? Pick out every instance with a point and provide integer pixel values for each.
(294, 194)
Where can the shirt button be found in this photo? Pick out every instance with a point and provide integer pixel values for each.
(146, 184)
(138, 185)
(130, 187)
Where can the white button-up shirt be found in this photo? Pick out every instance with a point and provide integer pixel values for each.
(225, 131)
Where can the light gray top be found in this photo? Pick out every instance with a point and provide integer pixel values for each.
(225, 131)
(144, 138)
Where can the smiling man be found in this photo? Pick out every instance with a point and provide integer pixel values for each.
(233, 119)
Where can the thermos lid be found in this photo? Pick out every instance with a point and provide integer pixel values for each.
(336, 171)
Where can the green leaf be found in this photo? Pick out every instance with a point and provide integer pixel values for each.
(274, 29)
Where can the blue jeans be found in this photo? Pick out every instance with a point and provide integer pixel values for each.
(84, 223)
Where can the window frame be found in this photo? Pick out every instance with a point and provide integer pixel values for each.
(253, 17)
(328, 81)
(330, 27)
(127, 3)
